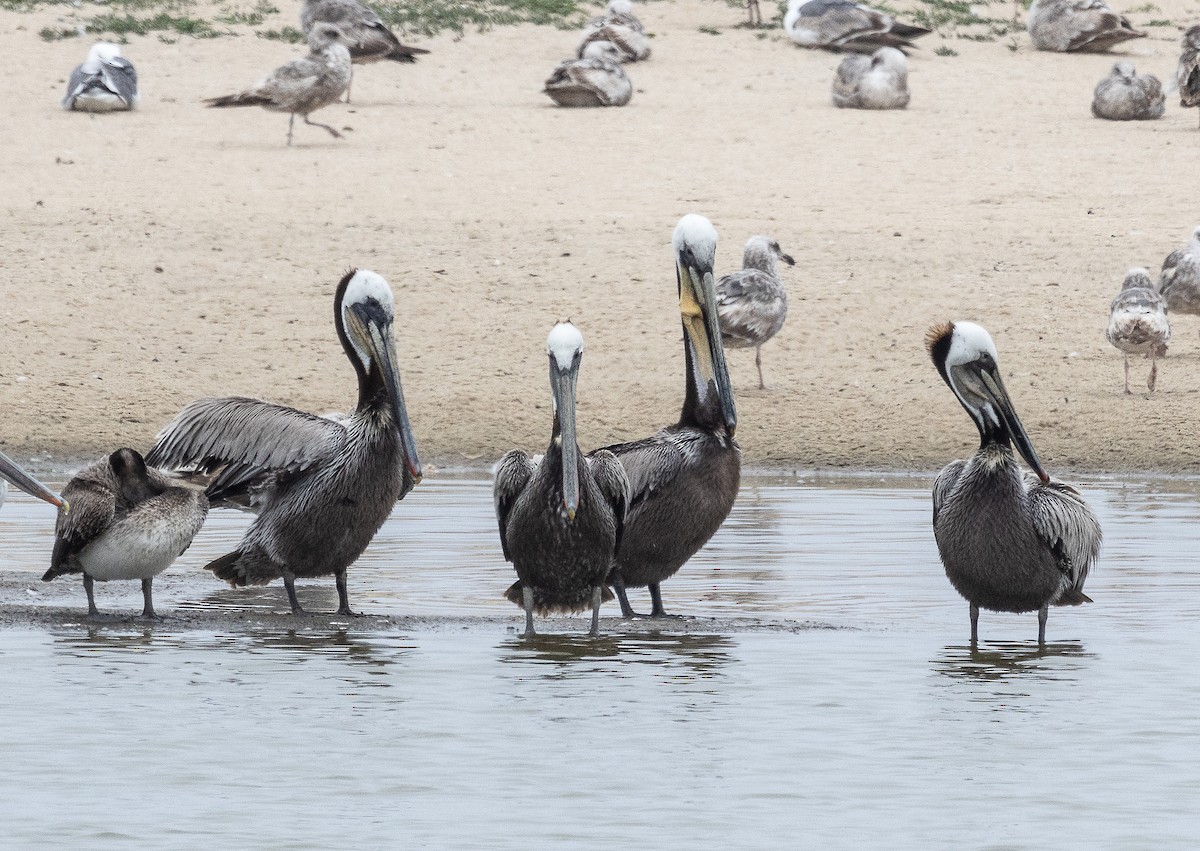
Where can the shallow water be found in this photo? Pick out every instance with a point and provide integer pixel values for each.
(864, 721)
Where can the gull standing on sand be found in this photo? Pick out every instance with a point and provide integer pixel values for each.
(303, 85)
(1010, 542)
(1137, 322)
(1179, 281)
(596, 80)
(126, 521)
(105, 82)
(752, 303)
(1085, 26)
(561, 517)
(879, 81)
(620, 26)
(1188, 74)
(370, 38)
(1125, 96)
(10, 471)
(840, 25)
(321, 487)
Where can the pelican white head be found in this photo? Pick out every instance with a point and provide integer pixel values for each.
(697, 233)
(563, 344)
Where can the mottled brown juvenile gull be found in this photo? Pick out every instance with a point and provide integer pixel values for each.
(127, 521)
(1188, 74)
(303, 85)
(1124, 95)
(1069, 26)
(840, 25)
(879, 81)
(1180, 279)
(105, 82)
(595, 80)
(1137, 322)
(620, 26)
(752, 303)
(370, 38)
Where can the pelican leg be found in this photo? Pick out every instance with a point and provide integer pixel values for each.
(1153, 370)
(1127, 390)
(527, 600)
(758, 362)
(343, 594)
(974, 624)
(597, 596)
(332, 132)
(291, 122)
(618, 585)
(88, 582)
(1043, 614)
(289, 583)
(148, 599)
(656, 607)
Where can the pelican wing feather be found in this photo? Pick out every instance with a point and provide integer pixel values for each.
(614, 484)
(944, 483)
(650, 464)
(1065, 522)
(513, 473)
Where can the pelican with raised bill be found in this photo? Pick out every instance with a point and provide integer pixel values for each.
(127, 521)
(1010, 542)
(10, 471)
(682, 480)
(560, 519)
(321, 488)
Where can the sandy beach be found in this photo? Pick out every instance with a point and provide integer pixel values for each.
(176, 252)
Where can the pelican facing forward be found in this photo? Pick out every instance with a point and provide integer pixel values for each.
(321, 488)
(126, 521)
(10, 471)
(560, 519)
(1009, 542)
(684, 479)
(752, 303)
(1137, 322)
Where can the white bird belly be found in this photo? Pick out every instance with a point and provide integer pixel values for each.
(99, 101)
(125, 552)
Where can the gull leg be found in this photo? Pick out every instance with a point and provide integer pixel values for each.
(618, 583)
(289, 582)
(1127, 390)
(974, 624)
(527, 599)
(1043, 614)
(332, 132)
(758, 362)
(148, 599)
(349, 84)
(597, 596)
(291, 121)
(343, 595)
(1153, 370)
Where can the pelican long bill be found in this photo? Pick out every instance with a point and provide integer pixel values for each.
(26, 482)
(698, 309)
(562, 385)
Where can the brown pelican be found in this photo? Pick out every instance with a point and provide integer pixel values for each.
(1084, 26)
(10, 471)
(1009, 543)
(684, 479)
(876, 82)
(621, 27)
(371, 40)
(560, 519)
(303, 85)
(595, 80)
(1188, 73)
(126, 521)
(840, 25)
(1138, 323)
(105, 82)
(1179, 281)
(1125, 96)
(321, 488)
(752, 303)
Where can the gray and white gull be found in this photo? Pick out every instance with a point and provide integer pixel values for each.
(1179, 281)
(595, 80)
(105, 82)
(1137, 322)
(1084, 26)
(1187, 75)
(1125, 95)
(840, 25)
(752, 302)
(370, 40)
(620, 26)
(878, 81)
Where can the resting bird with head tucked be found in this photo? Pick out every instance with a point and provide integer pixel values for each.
(595, 80)
(619, 26)
(879, 81)
(841, 25)
(561, 517)
(105, 82)
(1083, 26)
(1187, 75)
(1125, 95)
(321, 487)
(1010, 542)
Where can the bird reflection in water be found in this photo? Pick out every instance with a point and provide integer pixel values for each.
(1000, 661)
(700, 656)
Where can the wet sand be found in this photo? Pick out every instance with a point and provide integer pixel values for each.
(177, 252)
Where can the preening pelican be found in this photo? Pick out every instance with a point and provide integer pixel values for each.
(1125, 95)
(560, 518)
(1009, 542)
(370, 38)
(1084, 26)
(1137, 322)
(684, 479)
(126, 521)
(105, 82)
(1187, 75)
(10, 471)
(840, 25)
(321, 488)
(752, 302)
(303, 85)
